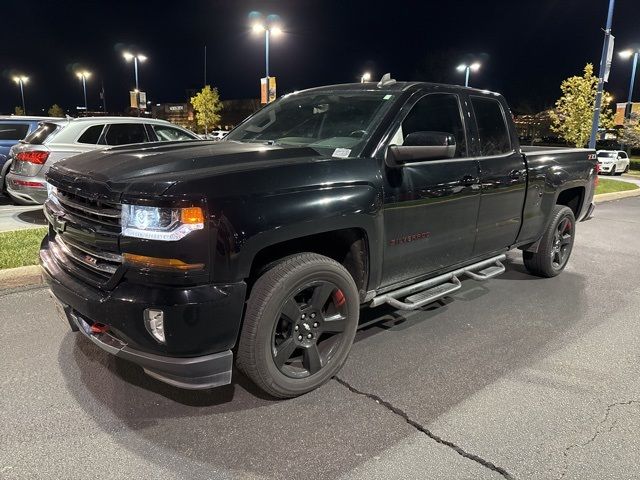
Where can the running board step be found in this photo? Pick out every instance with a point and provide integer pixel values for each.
(487, 273)
(431, 295)
(432, 289)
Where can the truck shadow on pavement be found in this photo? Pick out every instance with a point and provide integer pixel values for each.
(428, 361)
(35, 217)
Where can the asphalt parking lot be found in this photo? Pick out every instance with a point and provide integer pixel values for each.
(14, 217)
(518, 377)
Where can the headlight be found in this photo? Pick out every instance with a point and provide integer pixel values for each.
(160, 223)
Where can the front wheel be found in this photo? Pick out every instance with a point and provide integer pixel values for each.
(555, 246)
(299, 325)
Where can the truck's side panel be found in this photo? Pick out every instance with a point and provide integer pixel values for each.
(550, 173)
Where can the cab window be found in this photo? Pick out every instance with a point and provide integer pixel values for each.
(492, 126)
(435, 112)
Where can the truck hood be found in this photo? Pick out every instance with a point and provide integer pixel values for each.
(151, 170)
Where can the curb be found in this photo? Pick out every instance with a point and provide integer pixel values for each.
(607, 197)
(20, 277)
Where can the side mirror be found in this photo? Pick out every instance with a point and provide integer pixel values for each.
(420, 147)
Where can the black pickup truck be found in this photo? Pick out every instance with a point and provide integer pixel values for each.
(265, 246)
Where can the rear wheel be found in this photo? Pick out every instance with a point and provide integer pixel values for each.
(555, 246)
(300, 322)
(626, 169)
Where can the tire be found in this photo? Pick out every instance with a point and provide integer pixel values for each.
(548, 261)
(626, 169)
(303, 300)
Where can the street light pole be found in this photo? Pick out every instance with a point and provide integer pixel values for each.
(466, 68)
(634, 67)
(135, 68)
(83, 75)
(21, 80)
(266, 52)
(84, 89)
(601, 75)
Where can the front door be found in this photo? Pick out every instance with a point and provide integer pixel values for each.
(430, 207)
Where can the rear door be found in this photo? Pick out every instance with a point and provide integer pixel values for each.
(430, 207)
(503, 175)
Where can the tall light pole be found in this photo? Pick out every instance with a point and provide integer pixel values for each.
(136, 58)
(268, 30)
(83, 75)
(366, 76)
(628, 54)
(602, 74)
(466, 68)
(21, 80)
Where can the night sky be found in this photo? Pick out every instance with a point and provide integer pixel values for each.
(527, 47)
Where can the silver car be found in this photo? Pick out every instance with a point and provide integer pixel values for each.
(55, 140)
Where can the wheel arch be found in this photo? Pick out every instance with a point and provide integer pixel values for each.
(349, 246)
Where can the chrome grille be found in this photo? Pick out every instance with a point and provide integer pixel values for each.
(86, 240)
(105, 213)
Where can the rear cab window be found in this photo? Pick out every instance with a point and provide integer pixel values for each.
(493, 132)
(45, 132)
(13, 130)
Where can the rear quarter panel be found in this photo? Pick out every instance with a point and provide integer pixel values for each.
(550, 172)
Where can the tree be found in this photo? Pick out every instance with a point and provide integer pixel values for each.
(207, 104)
(18, 111)
(56, 111)
(630, 135)
(573, 116)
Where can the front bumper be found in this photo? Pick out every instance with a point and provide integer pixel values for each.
(19, 188)
(195, 373)
(201, 324)
(607, 168)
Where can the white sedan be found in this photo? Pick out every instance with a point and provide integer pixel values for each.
(613, 162)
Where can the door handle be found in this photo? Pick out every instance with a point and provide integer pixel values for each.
(469, 180)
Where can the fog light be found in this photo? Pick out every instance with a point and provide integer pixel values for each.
(154, 322)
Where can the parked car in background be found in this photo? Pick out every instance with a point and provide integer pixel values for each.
(57, 139)
(12, 130)
(613, 162)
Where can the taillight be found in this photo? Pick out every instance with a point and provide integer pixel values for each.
(38, 157)
(597, 170)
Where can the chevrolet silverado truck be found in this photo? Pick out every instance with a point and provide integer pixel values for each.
(263, 248)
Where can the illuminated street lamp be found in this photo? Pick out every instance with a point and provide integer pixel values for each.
(21, 80)
(136, 58)
(268, 29)
(83, 75)
(366, 76)
(626, 54)
(466, 68)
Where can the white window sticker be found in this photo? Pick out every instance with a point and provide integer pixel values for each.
(342, 152)
(387, 97)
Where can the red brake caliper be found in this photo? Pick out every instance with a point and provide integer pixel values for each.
(338, 298)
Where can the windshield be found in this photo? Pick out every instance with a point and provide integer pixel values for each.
(335, 123)
(606, 154)
(44, 131)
